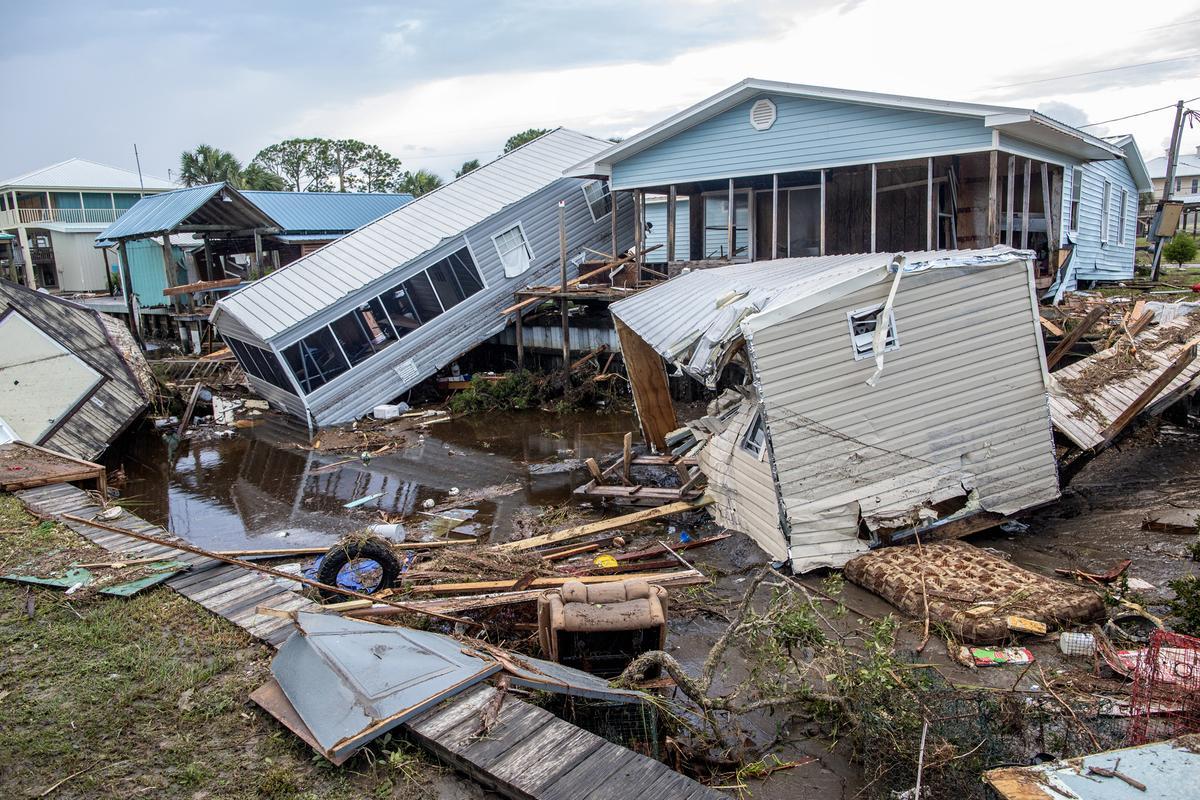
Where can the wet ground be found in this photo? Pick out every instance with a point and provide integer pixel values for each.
(264, 487)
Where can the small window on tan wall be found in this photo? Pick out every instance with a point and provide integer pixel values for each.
(863, 323)
(755, 439)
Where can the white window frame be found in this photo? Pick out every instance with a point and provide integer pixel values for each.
(1106, 212)
(607, 192)
(751, 447)
(890, 343)
(1073, 206)
(509, 272)
(1121, 212)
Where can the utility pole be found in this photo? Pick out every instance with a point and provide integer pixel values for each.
(137, 160)
(1169, 186)
(562, 302)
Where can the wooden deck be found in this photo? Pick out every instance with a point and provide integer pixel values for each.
(531, 753)
(232, 592)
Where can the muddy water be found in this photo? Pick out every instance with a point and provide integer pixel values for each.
(264, 487)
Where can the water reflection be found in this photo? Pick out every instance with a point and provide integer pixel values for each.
(264, 487)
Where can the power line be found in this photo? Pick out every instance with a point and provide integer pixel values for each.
(1139, 114)
(1098, 71)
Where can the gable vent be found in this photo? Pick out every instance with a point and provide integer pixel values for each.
(762, 115)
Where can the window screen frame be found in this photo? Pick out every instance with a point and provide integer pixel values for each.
(1106, 212)
(890, 343)
(747, 443)
(1122, 213)
(607, 193)
(519, 228)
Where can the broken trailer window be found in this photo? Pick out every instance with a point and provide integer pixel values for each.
(315, 360)
(514, 251)
(364, 331)
(862, 331)
(400, 309)
(756, 436)
(599, 199)
(260, 363)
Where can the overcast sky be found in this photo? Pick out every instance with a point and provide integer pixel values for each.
(437, 83)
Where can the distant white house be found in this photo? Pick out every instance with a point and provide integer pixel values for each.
(1187, 185)
(55, 213)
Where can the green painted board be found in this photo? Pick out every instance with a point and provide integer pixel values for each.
(163, 571)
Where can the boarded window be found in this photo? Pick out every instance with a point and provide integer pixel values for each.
(514, 251)
(260, 363)
(1076, 196)
(863, 323)
(364, 331)
(599, 199)
(756, 436)
(315, 360)
(1106, 212)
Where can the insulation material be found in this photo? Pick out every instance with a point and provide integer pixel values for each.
(970, 590)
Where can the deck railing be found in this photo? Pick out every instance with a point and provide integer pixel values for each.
(94, 216)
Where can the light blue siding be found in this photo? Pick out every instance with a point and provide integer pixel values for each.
(146, 270)
(656, 215)
(808, 134)
(1094, 260)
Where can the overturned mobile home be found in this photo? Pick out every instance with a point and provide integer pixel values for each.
(871, 395)
(71, 379)
(364, 319)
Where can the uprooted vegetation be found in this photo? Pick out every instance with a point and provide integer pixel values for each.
(521, 390)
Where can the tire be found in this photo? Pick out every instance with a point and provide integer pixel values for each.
(338, 556)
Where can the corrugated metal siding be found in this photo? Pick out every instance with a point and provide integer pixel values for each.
(1092, 260)
(288, 296)
(325, 211)
(961, 401)
(808, 134)
(437, 343)
(743, 485)
(656, 215)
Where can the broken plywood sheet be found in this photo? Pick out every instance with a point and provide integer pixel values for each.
(1089, 396)
(24, 466)
(972, 591)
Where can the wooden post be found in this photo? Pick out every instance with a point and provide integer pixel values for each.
(1009, 192)
(1025, 205)
(562, 302)
(519, 332)
(993, 234)
(127, 281)
(874, 185)
(1048, 210)
(929, 206)
(639, 233)
(730, 234)
(1073, 336)
(822, 212)
(612, 223)
(774, 216)
(258, 251)
(670, 225)
(651, 389)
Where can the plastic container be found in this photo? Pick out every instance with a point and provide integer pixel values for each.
(1077, 644)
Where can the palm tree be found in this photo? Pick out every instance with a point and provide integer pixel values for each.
(419, 182)
(468, 166)
(255, 176)
(207, 164)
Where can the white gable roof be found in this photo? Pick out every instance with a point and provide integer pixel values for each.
(289, 295)
(79, 173)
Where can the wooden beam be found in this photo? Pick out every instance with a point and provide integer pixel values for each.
(671, 205)
(519, 335)
(1139, 324)
(1025, 204)
(993, 213)
(651, 389)
(774, 216)
(874, 187)
(563, 305)
(201, 286)
(929, 205)
(1074, 335)
(1053, 329)
(538, 583)
(626, 456)
(1048, 209)
(822, 212)
(603, 525)
(730, 232)
(1181, 362)
(1009, 190)
(612, 221)
(581, 279)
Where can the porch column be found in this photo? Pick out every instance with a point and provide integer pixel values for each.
(822, 247)
(874, 183)
(729, 230)
(27, 254)
(1048, 211)
(993, 235)
(1009, 191)
(639, 231)
(612, 221)
(258, 251)
(929, 206)
(671, 224)
(1025, 205)
(774, 216)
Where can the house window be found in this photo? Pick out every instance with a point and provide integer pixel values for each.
(862, 331)
(756, 436)
(364, 331)
(716, 225)
(1121, 216)
(400, 309)
(260, 363)
(315, 360)
(514, 251)
(599, 199)
(1076, 196)
(1195, 185)
(1105, 212)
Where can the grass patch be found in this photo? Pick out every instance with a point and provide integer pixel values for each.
(149, 697)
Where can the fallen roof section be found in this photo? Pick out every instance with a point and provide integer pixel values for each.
(197, 208)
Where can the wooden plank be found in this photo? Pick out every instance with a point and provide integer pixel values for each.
(651, 389)
(522, 722)
(538, 583)
(434, 723)
(191, 407)
(585, 776)
(581, 279)
(1074, 335)
(607, 524)
(527, 765)
(201, 286)
(1160, 383)
(626, 455)
(1053, 329)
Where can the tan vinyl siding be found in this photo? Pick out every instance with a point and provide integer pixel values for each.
(742, 485)
(961, 403)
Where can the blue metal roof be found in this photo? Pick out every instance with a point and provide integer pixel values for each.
(160, 212)
(330, 212)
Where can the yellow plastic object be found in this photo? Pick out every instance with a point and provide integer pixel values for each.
(604, 561)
